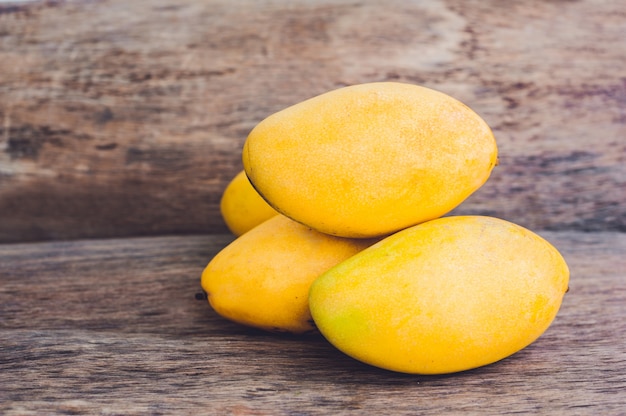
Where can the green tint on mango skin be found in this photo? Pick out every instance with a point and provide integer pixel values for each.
(447, 295)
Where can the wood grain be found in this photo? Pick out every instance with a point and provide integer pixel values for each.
(112, 327)
(126, 118)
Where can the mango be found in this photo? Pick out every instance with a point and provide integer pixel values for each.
(262, 278)
(444, 296)
(241, 206)
(371, 159)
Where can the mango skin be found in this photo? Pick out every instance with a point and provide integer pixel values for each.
(242, 207)
(262, 278)
(444, 296)
(370, 159)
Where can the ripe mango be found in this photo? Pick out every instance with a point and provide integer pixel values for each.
(241, 206)
(447, 295)
(370, 159)
(262, 278)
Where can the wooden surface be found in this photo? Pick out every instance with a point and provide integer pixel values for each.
(122, 118)
(122, 121)
(112, 327)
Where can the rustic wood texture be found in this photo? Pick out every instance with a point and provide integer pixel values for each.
(126, 119)
(122, 118)
(112, 327)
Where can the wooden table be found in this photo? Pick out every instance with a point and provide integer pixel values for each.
(121, 123)
(112, 327)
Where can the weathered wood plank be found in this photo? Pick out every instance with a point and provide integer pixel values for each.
(126, 118)
(112, 327)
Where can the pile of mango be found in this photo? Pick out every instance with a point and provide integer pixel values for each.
(340, 214)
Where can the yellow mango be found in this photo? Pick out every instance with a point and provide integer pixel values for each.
(262, 278)
(371, 159)
(241, 206)
(447, 295)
